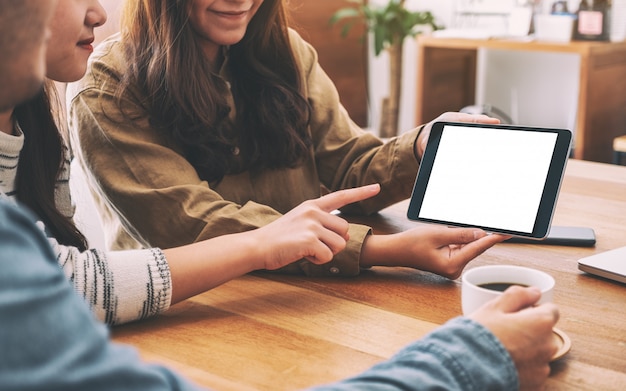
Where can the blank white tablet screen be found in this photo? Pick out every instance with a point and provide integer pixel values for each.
(488, 177)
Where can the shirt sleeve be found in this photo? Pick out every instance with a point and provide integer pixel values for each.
(49, 338)
(119, 286)
(460, 355)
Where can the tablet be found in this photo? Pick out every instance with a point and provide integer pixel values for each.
(501, 178)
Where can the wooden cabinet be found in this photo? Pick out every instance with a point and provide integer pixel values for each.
(446, 82)
(343, 58)
(450, 82)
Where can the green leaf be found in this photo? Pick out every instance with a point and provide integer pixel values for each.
(346, 29)
(344, 13)
(379, 39)
(369, 13)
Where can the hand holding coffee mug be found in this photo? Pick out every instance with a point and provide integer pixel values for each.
(484, 283)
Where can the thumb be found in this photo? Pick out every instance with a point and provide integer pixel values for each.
(339, 198)
(460, 235)
(517, 298)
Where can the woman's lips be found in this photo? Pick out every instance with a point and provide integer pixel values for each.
(231, 14)
(86, 44)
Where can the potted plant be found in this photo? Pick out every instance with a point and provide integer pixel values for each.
(389, 25)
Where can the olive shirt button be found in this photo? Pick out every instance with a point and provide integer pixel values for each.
(334, 270)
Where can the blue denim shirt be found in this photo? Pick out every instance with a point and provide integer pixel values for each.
(49, 340)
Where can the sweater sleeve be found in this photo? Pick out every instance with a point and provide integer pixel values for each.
(119, 286)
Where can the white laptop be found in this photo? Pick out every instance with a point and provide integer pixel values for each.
(609, 264)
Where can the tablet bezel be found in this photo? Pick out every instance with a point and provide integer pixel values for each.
(552, 184)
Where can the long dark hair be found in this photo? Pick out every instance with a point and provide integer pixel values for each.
(41, 161)
(188, 102)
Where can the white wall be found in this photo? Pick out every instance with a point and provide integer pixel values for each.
(537, 89)
(533, 88)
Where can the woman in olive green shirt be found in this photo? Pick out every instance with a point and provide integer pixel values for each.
(204, 118)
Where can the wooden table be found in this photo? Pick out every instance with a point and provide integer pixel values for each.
(446, 81)
(275, 332)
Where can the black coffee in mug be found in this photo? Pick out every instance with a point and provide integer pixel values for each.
(499, 286)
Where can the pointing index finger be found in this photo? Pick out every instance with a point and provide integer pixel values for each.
(339, 198)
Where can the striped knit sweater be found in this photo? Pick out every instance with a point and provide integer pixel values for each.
(120, 286)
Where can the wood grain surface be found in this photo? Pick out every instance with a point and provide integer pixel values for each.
(267, 331)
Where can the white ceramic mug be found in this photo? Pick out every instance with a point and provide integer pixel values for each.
(473, 295)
